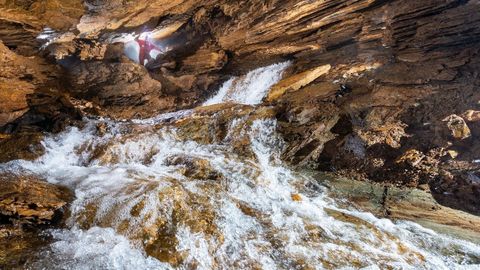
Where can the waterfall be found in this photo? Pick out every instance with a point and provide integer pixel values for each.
(251, 88)
(149, 197)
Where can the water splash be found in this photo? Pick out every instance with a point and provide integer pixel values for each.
(251, 88)
(102, 248)
(127, 188)
(147, 197)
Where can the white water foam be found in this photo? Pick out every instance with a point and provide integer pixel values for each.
(96, 248)
(277, 232)
(251, 88)
(259, 214)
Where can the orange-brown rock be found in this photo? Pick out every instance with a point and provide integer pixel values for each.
(13, 100)
(14, 85)
(25, 146)
(297, 81)
(27, 204)
(396, 69)
(29, 93)
(413, 157)
(122, 88)
(457, 126)
(296, 197)
(56, 14)
(29, 200)
(195, 168)
(203, 61)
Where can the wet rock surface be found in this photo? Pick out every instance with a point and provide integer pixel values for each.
(404, 204)
(27, 206)
(21, 146)
(18, 247)
(195, 168)
(31, 201)
(370, 80)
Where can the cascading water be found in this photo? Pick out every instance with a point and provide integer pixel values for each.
(251, 88)
(147, 197)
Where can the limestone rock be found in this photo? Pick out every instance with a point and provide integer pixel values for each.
(388, 133)
(471, 116)
(27, 205)
(61, 15)
(406, 66)
(307, 128)
(21, 146)
(118, 86)
(13, 100)
(297, 81)
(457, 126)
(405, 204)
(14, 85)
(204, 61)
(184, 83)
(296, 197)
(412, 157)
(195, 168)
(29, 200)
(29, 94)
(459, 189)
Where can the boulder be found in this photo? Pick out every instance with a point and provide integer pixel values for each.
(121, 89)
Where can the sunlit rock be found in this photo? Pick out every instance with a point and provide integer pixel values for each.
(295, 82)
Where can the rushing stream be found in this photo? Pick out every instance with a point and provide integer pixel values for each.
(146, 197)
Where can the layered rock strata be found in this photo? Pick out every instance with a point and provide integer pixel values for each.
(384, 90)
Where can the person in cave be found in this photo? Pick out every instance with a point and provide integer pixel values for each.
(146, 47)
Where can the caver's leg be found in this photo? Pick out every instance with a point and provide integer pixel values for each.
(141, 52)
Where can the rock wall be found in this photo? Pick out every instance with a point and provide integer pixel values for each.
(378, 89)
